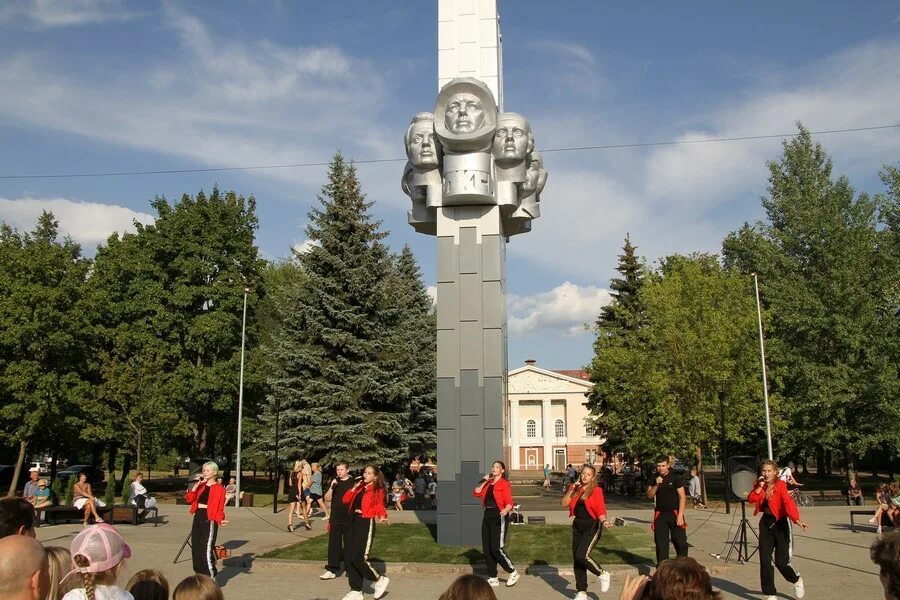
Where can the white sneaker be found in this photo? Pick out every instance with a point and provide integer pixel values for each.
(872, 520)
(380, 586)
(513, 578)
(605, 579)
(799, 590)
(493, 582)
(325, 518)
(327, 575)
(581, 596)
(353, 596)
(771, 597)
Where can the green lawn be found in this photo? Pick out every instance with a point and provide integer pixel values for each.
(526, 544)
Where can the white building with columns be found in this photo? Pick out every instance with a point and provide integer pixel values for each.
(547, 419)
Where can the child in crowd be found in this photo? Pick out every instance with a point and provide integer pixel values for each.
(432, 493)
(397, 496)
(198, 587)
(148, 584)
(42, 495)
(60, 562)
(99, 553)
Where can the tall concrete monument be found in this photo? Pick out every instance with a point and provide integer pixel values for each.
(474, 180)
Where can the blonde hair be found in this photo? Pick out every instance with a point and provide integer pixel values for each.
(298, 466)
(60, 560)
(212, 465)
(197, 587)
(148, 584)
(90, 580)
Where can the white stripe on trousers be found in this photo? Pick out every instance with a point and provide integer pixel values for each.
(590, 548)
(375, 575)
(209, 549)
(508, 566)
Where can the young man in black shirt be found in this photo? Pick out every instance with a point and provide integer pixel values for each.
(668, 518)
(339, 523)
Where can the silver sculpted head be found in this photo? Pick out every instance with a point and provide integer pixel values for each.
(465, 115)
(513, 140)
(422, 146)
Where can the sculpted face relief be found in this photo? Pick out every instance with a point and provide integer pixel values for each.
(511, 142)
(465, 113)
(422, 144)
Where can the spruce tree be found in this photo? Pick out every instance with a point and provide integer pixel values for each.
(335, 356)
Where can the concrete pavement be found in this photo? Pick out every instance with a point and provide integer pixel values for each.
(833, 561)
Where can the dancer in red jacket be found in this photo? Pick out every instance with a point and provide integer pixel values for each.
(771, 497)
(364, 502)
(207, 500)
(585, 501)
(496, 497)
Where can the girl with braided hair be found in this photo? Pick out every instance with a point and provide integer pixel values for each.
(99, 553)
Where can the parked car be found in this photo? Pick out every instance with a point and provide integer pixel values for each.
(42, 467)
(94, 475)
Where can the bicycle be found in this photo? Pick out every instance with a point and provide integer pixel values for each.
(801, 499)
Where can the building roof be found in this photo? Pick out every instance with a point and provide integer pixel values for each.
(574, 373)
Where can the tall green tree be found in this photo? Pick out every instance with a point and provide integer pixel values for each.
(336, 354)
(824, 279)
(44, 342)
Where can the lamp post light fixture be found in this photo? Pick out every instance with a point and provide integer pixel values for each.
(237, 494)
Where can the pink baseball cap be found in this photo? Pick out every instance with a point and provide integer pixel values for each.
(102, 545)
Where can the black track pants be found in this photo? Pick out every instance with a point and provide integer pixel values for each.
(585, 535)
(203, 544)
(775, 537)
(356, 552)
(337, 542)
(493, 538)
(664, 528)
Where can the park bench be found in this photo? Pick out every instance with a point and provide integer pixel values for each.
(111, 514)
(868, 512)
(827, 496)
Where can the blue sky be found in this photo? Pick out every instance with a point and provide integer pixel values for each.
(100, 86)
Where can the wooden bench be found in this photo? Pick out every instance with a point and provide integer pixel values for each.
(68, 513)
(111, 514)
(830, 496)
(868, 513)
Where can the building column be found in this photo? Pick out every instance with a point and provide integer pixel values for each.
(514, 435)
(547, 421)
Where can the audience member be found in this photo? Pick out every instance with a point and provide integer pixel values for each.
(854, 493)
(42, 495)
(148, 584)
(885, 553)
(60, 564)
(674, 579)
(469, 587)
(31, 486)
(16, 517)
(198, 587)
(694, 490)
(99, 553)
(23, 569)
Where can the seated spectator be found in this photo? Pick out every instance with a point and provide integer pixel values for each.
(883, 500)
(23, 569)
(99, 553)
(198, 587)
(16, 517)
(42, 497)
(148, 584)
(230, 490)
(886, 554)
(854, 493)
(469, 587)
(140, 497)
(60, 563)
(31, 487)
(674, 579)
(84, 498)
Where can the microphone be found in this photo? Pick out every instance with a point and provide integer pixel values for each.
(484, 479)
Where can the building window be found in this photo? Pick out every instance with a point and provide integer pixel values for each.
(560, 428)
(591, 429)
(530, 428)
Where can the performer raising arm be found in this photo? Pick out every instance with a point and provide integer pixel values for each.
(586, 503)
(496, 497)
(771, 497)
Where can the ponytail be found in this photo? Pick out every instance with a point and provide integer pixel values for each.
(87, 579)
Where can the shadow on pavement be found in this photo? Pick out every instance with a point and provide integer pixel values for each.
(556, 581)
(734, 588)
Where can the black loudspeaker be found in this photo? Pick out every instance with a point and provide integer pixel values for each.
(742, 472)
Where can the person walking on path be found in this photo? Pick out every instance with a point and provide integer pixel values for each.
(771, 498)
(496, 498)
(207, 500)
(586, 503)
(365, 503)
(546, 477)
(668, 517)
(295, 496)
(339, 524)
(315, 491)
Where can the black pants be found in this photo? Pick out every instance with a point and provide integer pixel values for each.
(356, 552)
(493, 538)
(338, 534)
(664, 527)
(203, 544)
(585, 535)
(775, 537)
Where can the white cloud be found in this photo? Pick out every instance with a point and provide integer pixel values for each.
(88, 223)
(431, 290)
(65, 13)
(563, 310)
(304, 246)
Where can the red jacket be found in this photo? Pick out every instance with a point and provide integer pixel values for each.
(780, 503)
(215, 504)
(595, 503)
(502, 493)
(372, 500)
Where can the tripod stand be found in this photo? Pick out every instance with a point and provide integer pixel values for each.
(740, 538)
(187, 542)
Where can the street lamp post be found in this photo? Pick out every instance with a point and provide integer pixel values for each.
(237, 496)
(762, 352)
(275, 466)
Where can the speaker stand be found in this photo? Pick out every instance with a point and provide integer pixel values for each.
(740, 540)
(187, 542)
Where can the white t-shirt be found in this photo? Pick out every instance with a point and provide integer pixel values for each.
(101, 592)
(785, 475)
